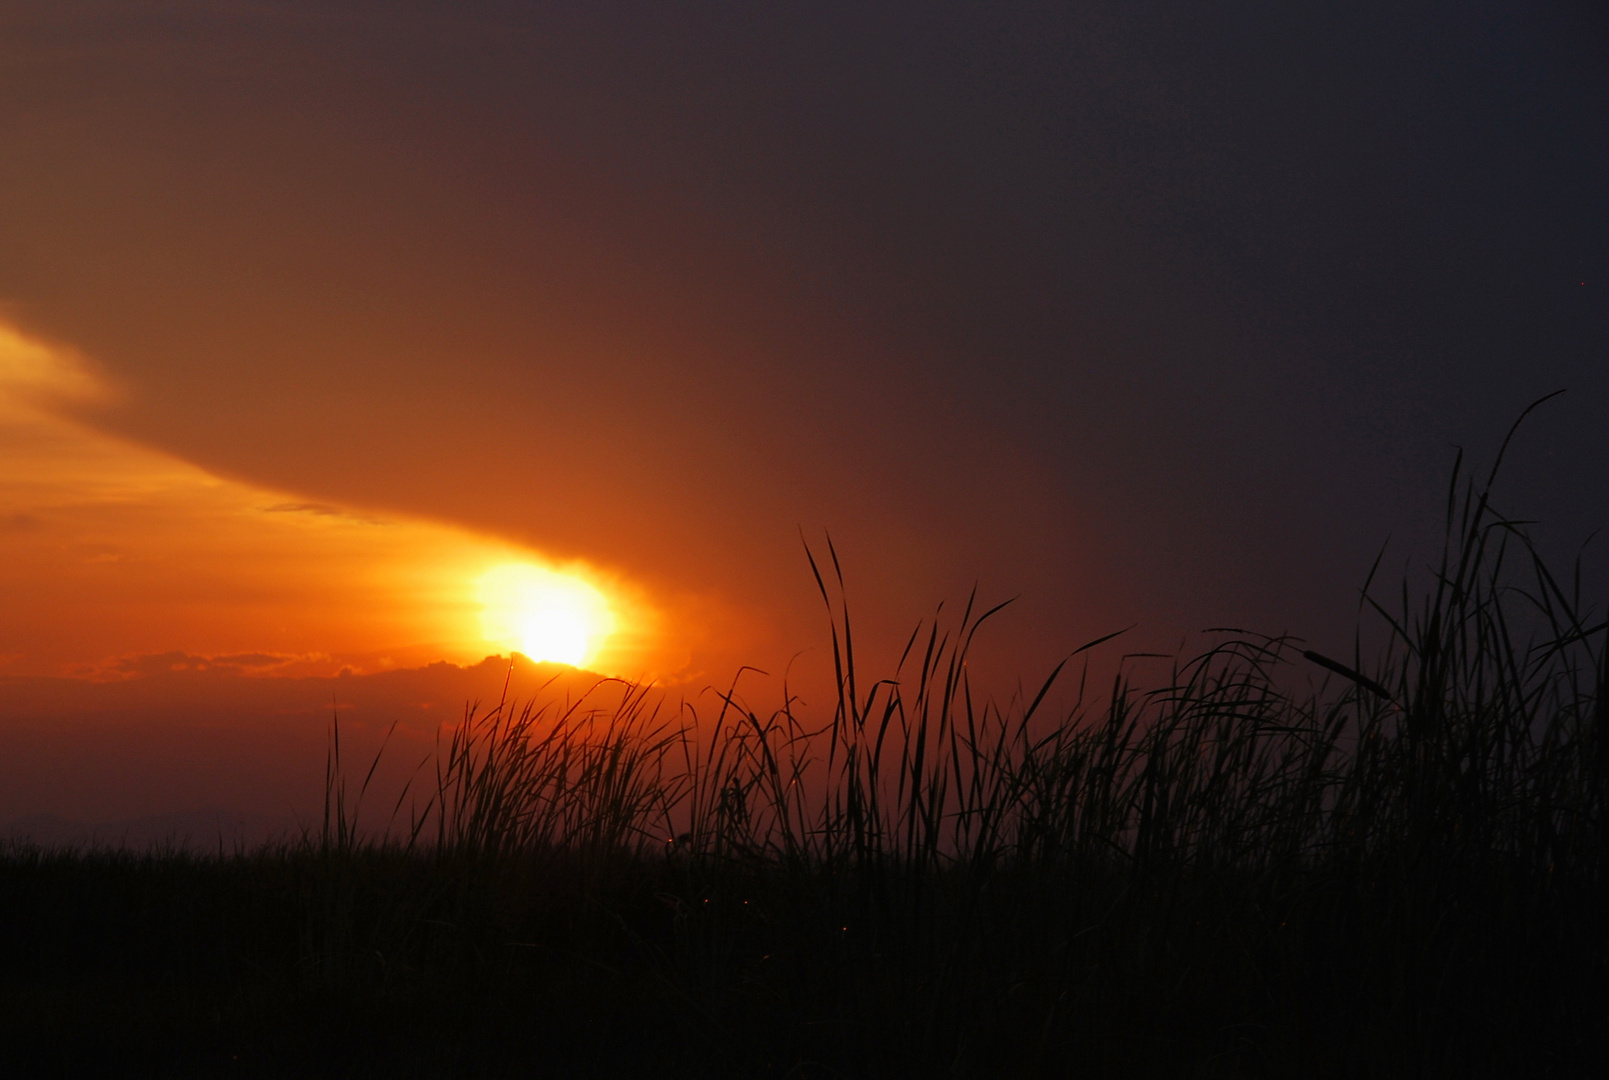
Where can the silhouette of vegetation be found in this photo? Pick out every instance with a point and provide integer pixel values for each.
(1398, 870)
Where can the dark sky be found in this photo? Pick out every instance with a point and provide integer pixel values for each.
(1157, 312)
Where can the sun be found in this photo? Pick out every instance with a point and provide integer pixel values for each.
(545, 614)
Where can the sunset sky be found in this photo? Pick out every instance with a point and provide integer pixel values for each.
(327, 328)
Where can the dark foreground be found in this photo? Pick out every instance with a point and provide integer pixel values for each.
(1400, 872)
(382, 965)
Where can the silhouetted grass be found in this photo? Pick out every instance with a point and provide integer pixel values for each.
(1401, 872)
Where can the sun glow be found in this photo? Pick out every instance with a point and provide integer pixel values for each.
(545, 614)
(110, 550)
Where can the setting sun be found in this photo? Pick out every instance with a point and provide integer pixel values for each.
(545, 614)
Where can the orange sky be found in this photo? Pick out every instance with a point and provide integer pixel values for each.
(112, 550)
(314, 313)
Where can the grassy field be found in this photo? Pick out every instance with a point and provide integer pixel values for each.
(1401, 873)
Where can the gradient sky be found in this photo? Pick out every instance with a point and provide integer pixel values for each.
(1157, 313)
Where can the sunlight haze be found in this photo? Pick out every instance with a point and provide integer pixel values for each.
(114, 549)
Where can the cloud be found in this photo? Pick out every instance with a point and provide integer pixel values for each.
(179, 731)
(150, 665)
(321, 510)
(110, 549)
(38, 375)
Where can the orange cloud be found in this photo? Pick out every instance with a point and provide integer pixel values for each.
(110, 549)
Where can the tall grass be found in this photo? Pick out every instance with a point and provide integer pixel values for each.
(1399, 868)
(1477, 734)
(1274, 863)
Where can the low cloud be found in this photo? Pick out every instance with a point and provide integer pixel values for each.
(176, 731)
(151, 665)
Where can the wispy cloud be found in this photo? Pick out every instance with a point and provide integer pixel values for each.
(113, 549)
